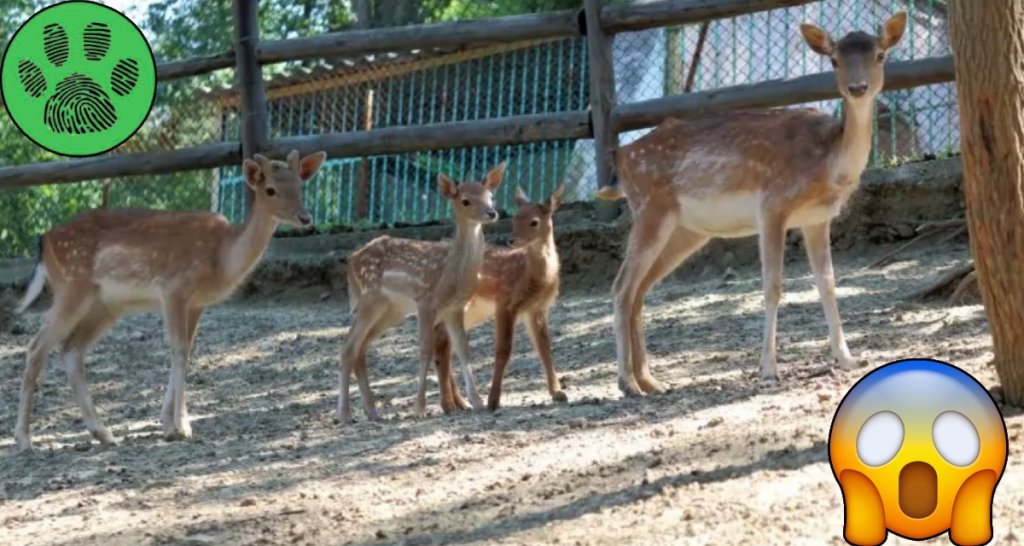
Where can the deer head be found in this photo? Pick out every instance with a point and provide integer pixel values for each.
(278, 185)
(532, 222)
(472, 202)
(859, 57)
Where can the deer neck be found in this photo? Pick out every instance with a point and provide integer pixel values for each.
(467, 253)
(542, 257)
(248, 243)
(855, 144)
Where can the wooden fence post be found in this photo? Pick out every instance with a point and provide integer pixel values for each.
(363, 190)
(253, 103)
(602, 100)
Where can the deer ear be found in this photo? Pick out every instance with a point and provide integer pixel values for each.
(495, 176)
(893, 29)
(448, 188)
(293, 159)
(819, 41)
(555, 201)
(253, 172)
(520, 198)
(310, 164)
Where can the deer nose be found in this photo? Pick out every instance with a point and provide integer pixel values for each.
(305, 218)
(858, 89)
(492, 214)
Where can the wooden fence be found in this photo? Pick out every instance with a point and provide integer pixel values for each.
(603, 122)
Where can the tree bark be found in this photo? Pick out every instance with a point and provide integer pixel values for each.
(988, 45)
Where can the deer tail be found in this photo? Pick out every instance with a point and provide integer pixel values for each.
(36, 282)
(613, 191)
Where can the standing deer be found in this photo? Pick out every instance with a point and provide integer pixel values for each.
(390, 279)
(517, 283)
(108, 262)
(735, 174)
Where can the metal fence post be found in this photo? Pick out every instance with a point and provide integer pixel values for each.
(253, 104)
(602, 100)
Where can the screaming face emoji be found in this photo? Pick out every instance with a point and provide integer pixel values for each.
(918, 447)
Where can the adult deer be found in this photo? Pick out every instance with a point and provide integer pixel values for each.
(517, 283)
(109, 262)
(390, 279)
(735, 174)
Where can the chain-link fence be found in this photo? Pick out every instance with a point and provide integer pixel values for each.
(407, 88)
(909, 123)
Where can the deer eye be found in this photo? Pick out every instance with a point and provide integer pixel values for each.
(271, 192)
(880, 58)
(835, 63)
(534, 223)
(465, 202)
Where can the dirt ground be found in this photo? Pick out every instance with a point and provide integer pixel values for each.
(722, 459)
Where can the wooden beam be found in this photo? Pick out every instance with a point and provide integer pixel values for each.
(455, 34)
(253, 112)
(99, 167)
(633, 17)
(173, 70)
(602, 100)
(898, 75)
(465, 34)
(441, 136)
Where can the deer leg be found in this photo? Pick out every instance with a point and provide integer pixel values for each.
(772, 243)
(455, 325)
(385, 322)
(681, 245)
(97, 321)
(176, 322)
(352, 353)
(167, 411)
(819, 253)
(504, 330)
(65, 314)
(427, 322)
(451, 397)
(647, 238)
(540, 338)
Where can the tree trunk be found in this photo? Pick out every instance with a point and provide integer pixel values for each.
(988, 43)
(364, 13)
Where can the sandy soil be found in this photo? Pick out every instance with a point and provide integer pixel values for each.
(722, 459)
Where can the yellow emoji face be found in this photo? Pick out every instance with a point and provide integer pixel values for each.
(918, 447)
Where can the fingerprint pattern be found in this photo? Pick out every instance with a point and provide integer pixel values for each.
(32, 78)
(55, 44)
(96, 41)
(124, 76)
(79, 106)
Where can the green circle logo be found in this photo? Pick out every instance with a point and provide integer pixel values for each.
(78, 78)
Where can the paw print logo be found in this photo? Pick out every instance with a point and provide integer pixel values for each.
(78, 78)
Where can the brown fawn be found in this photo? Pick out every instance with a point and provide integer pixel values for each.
(108, 262)
(740, 173)
(517, 283)
(390, 279)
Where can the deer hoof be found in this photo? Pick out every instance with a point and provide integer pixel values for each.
(559, 396)
(103, 436)
(630, 388)
(651, 385)
(23, 443)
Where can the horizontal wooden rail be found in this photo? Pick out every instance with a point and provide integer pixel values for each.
(815, 87)
(488, 132)
(633, 17)
(465, 34)
(441, 136)
(93, 168)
